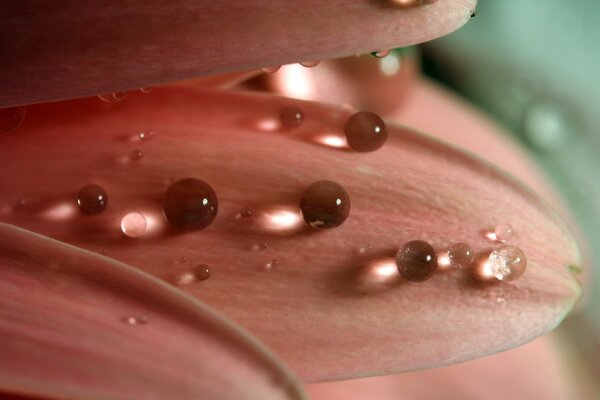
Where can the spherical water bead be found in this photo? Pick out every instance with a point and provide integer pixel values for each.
(136, 155)
(92, 199)
(190, 204)
(202, 272)
(271, 70)
(416, 261)
(134, 225)
(291, 117)
(146, 90)
(112, 98)
(325, 204)
(11, 118)
(310, 64)
(503, 232)
(365, 131)
(507, 263)
(460, 255)
(380, 53)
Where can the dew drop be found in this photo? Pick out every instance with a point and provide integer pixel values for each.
(142, 320)
(202, 272)
(507, 263)
(325, 204)
(190, 204)
(365, 131)
(548, 126)
(146, 90)
(380, 53)
(185, 278)
(133, 225)
(460, 255)
(503, 232)
(291, 117)
(180, 260)
(11, 118)
(136, 155)
(365, 249)
(500, 299)
(271, 70)
(310, 64)
(112, 98)
(92, 199)
(146, 135)
(270, 264)
(259, 246)
(416, 261)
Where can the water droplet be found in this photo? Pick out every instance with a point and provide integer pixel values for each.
(461, 255)
(548, 126)
(202, 272)
(180, 260)
(271, 70)
(507, 263)
(185, 278)
(310, 64)
(270, 264)
(136, 155)
(146, 90)
(416, 261)
(133, 225)
(92, 199)
(104, 252)
(245, 213)
(380, 53)
(142, 320)
(146, 135)
(325, 204)
(259, 246)
(503, 232)
(291, 117)
(114, 97)
(190, 204)
(500, 299)
(365, 249)
(11, 118)
(365, 131)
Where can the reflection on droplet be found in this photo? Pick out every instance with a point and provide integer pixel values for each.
(136, 155)
(325, 204)
(481, 270)
(380, 53)
(141, 320)
(503, 232)
(92, 199)
(112, 98)
(134, 225)
(271, 70)
(146, 135)
(332, 140)
(269, 264)
(507, 263)
(278, 219)
(500, 299)
(185, 278)
(291, 117)
(390, 65)
(259, 246)
(190, 204)
(11, 118)
(457, 256)
(146, 90)
(60, 212)
(416, 261)
(548, 127)
(202, 272)
(365, 131)
(310, 64)
(405, 3)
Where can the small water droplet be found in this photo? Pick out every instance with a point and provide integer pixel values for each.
(365, 131)
(365, 249)
(503, 232)
(459, 255)
(146, 90)
(11, 118)
(548, 126)
(112, 98)
(270, 264)
(202, 272)
(146, 135)
(310, 64)
(380, 53)
(136, 155)
(142, 320)
(325, 204)
(291, 117)
(92, 199)
(500, 299)
(416, 261)
(507, 263)
(259, 246)
(245, 213)
(190, 204)
(271, 70)
(104, 252)
(133, 225)
(185, 278)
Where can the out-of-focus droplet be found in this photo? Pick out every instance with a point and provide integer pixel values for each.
(190, 204)
(291, 117)
(259, 246)
(548, 127)
(92, 199)
(270, 264)
(146, 135)
(11, 118)
(310, 64)
(141, 320)
(380, 53)
(416, 261)
(134, 225)
(500, 299)
(136, 155)
(271, 70)
(325, 204)
(112, 98)
(146, 90)
(391, 64)
(185, 278)
(503, 232)
(507, 263)
(365, 131)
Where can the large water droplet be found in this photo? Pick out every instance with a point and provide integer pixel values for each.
(92, 199)
(190, 204)
(325, 204)
(202, 272)
(548, 127)
(416, 261)
(134, 225)
(11, 118)
(458, 256)
(507, 263)
(291, 117)
(365, 131)
(114, 97)
(141, 320)
(503, 232)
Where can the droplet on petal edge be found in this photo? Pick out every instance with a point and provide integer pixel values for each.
(136, 155)
(112, 98)
(507, 263)
(271, 70)
(190, 204)
(11, 118)
(146, 90)
(310, 64)
(134, 225)
(325, 204)
(92, 199)
(380, 53)
(416, 261)
(365, 131)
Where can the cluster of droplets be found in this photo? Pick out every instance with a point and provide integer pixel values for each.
(417, 260)
(116, 97)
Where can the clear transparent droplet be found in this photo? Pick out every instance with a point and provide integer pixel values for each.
(112, 98)
(310, 64)
(507, 263)
(549, 127)
(271, 70)
(136, 155)
(503, 232)
(270, 264)
(11, 118)
(380, 53)
(133, 225)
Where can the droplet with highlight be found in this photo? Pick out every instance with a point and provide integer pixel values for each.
(365, 131)
(380, 53)
(146, 90)
(190, 204)
(271, 70)
(92, 199)
(11, 118)
(503, 232)
(146, 135)
(112, 98)
(460, 255)
(270, 264)
(259, 246)
(291, 117)
(185, 278)
(507, 263)
(134, 225)
(136, 155)
(310, 64)
(365, 249)
(142, 320)
(416, 261)
(325, 204)
(202, 272)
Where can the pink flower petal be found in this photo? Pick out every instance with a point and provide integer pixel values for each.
(74, 49)
(328, 310)
(80, 326)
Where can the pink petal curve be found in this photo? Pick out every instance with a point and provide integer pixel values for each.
(77, 325)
